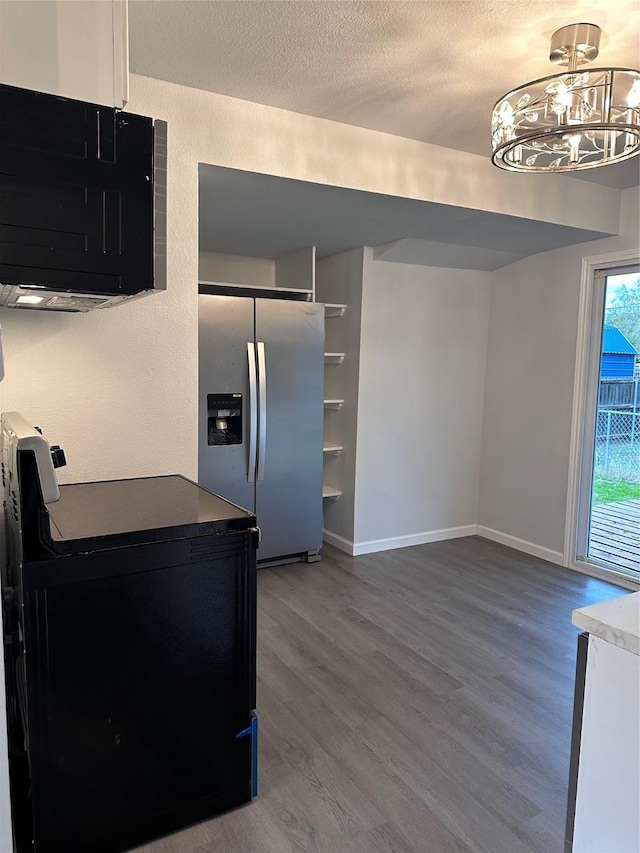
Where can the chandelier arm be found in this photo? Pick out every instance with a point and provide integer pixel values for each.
(608, 96)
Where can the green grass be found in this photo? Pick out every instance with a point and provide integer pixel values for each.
(606, 491)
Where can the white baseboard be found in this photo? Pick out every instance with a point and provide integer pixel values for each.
(521, 545)
(355, 549)
(375, 545)
(337, 542)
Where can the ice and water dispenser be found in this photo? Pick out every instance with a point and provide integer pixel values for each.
(224, 419)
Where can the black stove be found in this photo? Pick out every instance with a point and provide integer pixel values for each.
(130, 607)
(148, 509)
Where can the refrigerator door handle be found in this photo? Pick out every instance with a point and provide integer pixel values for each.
(253, 412)
(262, 415)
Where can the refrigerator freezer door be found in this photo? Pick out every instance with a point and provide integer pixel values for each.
(289, 497)
(225, 327)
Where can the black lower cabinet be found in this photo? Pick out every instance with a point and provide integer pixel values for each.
(576, 737)
(136, 683)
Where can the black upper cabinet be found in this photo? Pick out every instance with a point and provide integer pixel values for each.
(76, 195)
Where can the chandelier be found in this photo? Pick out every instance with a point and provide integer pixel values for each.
(573, 120)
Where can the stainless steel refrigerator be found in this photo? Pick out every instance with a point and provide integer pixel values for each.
(260, 415)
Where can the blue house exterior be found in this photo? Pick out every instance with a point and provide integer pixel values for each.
(618, 355)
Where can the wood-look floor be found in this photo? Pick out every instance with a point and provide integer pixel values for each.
(413, 700)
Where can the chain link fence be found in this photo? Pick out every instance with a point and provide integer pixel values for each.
(617, 452)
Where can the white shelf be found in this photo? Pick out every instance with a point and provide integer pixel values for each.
(329, 492)
(334, 309)
(246, 289)
(332, 448)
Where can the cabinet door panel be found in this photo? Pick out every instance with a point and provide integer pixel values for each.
(76, 50)
(76, 195)
(138, 689)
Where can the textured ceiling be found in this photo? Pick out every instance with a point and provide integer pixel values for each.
(427, 70)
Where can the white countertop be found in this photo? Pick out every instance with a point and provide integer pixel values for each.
(616, 621)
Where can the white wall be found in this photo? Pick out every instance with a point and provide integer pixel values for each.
(237, 269)
(293, 270)
(529, 390)
(115, 388)
(239, 134)
(422, 363)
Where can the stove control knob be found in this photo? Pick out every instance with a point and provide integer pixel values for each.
(57, 456)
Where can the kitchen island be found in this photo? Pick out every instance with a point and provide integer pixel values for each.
(604, 788)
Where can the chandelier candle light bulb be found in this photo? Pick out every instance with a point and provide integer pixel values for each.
(573, 120)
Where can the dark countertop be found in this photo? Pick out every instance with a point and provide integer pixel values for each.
(139, 510)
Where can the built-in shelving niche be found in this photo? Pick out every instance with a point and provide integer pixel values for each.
(332, 405)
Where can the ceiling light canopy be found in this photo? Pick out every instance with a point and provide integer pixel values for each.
(573, 120)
